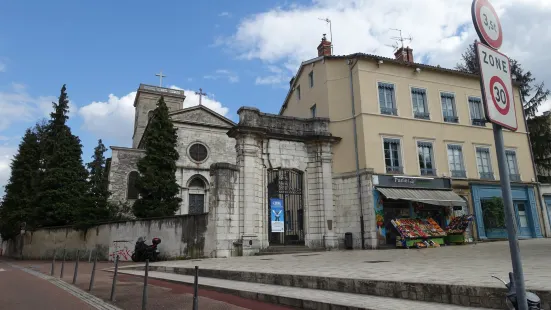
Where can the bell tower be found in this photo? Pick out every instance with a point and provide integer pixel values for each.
(146, 101)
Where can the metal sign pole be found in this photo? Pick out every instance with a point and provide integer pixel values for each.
(510, 218)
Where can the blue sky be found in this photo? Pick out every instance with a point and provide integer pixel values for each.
(242, 53)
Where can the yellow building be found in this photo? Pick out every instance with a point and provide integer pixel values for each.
(411, 132)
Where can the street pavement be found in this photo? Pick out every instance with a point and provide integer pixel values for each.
(471, 264)
(19, 290)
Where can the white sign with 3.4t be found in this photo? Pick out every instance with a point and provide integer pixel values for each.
(497, 87)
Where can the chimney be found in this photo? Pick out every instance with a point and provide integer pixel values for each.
(404, 54)
(324, 49)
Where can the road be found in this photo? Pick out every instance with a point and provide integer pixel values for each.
(21, 291)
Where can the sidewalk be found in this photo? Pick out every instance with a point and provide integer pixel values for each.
(161, 294)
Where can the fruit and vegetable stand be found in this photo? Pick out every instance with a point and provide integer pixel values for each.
(420, 233)
(455, 232)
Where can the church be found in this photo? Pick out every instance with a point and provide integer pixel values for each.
(202, 141)
(237, 173)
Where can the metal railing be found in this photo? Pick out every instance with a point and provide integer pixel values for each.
(487, 176)
(394, 169)
(428, 171)
(421, 115)
(389, 111)
(458, 173)
(451, 119)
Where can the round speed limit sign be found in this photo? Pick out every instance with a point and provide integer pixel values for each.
(487, 23)
(500, 95)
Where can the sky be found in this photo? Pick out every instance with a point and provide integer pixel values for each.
(241, 53)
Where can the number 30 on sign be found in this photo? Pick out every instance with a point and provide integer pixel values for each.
(497, 87)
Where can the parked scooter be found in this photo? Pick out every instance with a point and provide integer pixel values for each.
(534, 302)
(143, 251)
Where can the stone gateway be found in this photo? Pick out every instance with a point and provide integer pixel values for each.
(230, 171)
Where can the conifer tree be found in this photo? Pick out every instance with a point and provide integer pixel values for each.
(63, 180)
(97, 207)
(17, 205)
(157, 179)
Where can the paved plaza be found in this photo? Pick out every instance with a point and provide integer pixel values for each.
(471, 264)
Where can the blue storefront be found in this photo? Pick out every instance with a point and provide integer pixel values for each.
(489, 221)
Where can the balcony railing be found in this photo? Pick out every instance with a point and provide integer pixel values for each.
(422, 115)
(478, 122)
(394, 169)
(428, 171)
(451, 119)
(514, 177)
(389, 111)
(487, 175)
(458, 173)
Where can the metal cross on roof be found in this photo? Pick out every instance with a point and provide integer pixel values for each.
(201, 94)
(161, 76)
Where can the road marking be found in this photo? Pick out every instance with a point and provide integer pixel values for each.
(71, 289)
(2, 269)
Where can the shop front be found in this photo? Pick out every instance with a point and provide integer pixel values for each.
(418, 212)
(490, 216)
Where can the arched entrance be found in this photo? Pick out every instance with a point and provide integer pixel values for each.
(286, 185)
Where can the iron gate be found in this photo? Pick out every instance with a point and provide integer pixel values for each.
(287, 185)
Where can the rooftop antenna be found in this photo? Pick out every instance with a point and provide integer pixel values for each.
(400, 39)
(327, 20)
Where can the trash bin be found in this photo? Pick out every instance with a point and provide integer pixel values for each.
(348, 240)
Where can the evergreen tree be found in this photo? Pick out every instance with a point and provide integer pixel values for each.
(97, 207)
(157, 180)
(63, 180)
(533, 95)
(17, 205)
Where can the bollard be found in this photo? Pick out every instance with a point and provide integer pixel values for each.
(53, 265)
(90, 256)
(195, 287)
(144, 297)
(62, 265)
(93, 272)
(114, 278)
(76, 267)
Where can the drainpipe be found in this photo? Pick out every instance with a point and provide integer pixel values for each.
(538, 194)
(358, 177)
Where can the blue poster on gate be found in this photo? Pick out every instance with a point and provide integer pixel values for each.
(277, 215)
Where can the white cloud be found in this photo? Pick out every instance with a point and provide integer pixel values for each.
(114, 118)
(276, 77)
(2, 67)
(192, 99)
(225, 14)
(223, 74)
(286, 36)
(17, 105)
(6, 156)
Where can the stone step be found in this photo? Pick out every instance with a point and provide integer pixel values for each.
(456, 294)
(301, 298)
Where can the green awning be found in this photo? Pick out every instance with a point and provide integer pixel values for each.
(433, 197)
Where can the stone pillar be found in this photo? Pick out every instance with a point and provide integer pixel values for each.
(249, 162)
(326, 183)
(222, 237)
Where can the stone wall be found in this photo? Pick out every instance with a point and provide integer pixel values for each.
(123, 161)
(221, 148)
(181, 237)
(345, 191)
(223, 231)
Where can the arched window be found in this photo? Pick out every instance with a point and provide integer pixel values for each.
(196, 196)
(132, 191)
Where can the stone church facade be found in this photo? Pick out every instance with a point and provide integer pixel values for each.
(230, 171)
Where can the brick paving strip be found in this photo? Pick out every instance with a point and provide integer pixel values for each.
(73, 290)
